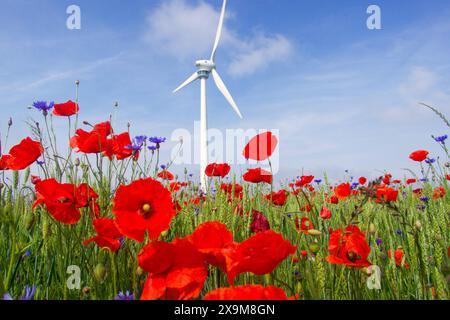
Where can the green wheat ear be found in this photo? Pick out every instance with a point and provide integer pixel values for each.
(436, 111)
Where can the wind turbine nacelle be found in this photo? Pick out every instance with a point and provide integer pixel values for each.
(206, 65)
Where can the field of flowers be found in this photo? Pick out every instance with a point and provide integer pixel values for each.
(106, 220)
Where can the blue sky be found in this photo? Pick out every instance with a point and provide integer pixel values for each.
(342, 96)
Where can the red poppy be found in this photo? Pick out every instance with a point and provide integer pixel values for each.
(387, 194)
(22, 155)
(247, 292)
(438, 193)
(348, 247)
(306, 208)
(362, 180)
(87, 197)
(175, 186)
(118, 146)
(259, 222)
(59, 199)
(108, 236)
(258, 175)
(398, 256)
(447, 177)
(304, 224)
(304, 180)
(261, 147)
(334, 200)
(411, 181)
(217, 170)
(342, 191)
(260, 254)
(4, 161)
(325, 213)
(94, 141)
(278, 198)
(213, 240)
(419, 155)
(418, 191)
(228, 188)
(144, 205)
(35, 179)
(387, 179)
(166, 175)
(66, 109)
(177, 271)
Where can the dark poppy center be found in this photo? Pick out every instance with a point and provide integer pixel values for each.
(352, 256)
(146, 210)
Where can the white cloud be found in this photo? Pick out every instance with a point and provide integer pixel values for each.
(49, 77)
(187, 31)
(261, 52)
(420, 80)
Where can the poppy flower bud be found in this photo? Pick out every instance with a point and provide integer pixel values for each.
(372, 229)
(100, 272)
(77, 162)
(447, 164)
(10, 122)
(139, 271)
(116, 104)
(86, 290)
(77, 82)
(314, 232)
(164, 233)
(418, 225)
(1, 186)
(314, 247)
(298, 287)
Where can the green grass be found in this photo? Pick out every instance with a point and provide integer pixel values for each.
(54, 246)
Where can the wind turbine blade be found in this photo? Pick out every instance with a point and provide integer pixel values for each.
(187, 82)
(219, 31)
(225, 92)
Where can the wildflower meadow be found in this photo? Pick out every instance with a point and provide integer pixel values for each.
(106, 219)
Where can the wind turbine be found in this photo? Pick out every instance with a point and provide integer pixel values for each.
(204, 69)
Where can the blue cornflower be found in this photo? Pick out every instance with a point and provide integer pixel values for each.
(163, 166)
(40, 162)
(430, 160)
(424, 199)
(43, 106)
(140, 140)
(424, 180)
(317, 181)
(289, 215)
(7, 296)
(421, 207)
(27, 253)
(441, 139)
(157, 140)
(29, 293)
(127, 296)
(379, 241)
(151, 148)
(399, 232)
(354, 185)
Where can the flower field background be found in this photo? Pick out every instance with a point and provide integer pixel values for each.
(108, 206)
